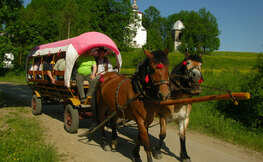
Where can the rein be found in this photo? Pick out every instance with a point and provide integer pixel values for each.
(208, 87)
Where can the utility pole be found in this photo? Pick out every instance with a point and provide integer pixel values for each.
(68, 27)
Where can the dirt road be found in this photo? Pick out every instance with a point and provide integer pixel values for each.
(200, 148)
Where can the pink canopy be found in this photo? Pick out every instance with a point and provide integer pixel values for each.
(80, 43)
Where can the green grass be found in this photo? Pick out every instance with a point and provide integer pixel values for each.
(205, 119)
(12, 78)
(221, 61)
(21, 137)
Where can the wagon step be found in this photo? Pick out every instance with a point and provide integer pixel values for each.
(88, 101)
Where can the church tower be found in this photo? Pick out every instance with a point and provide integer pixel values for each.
(141, 34)
(176, 33)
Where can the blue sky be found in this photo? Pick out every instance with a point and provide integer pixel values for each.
(240, 21)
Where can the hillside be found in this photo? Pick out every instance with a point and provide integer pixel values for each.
(218, 61)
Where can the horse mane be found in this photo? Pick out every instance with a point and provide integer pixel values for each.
(195, 58)
(160, 57)
(178, 69)
(141, 69)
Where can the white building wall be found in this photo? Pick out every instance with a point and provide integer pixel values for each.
(141, 34)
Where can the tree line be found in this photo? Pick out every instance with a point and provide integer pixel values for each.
(44, 21)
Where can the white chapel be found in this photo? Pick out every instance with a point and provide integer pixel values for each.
(141, 34)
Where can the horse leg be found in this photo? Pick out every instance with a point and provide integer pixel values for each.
(114, 135)
(144, 139)
(101, 116)
(157, 150)
(182, 128)
(136, 150)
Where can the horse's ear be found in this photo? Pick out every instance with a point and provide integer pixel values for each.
(200, 55)
(148, 54)
(186, 55)
(166, 51)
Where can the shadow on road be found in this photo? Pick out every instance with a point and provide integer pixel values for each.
(57, 112)
(14, 95)
(126, 144)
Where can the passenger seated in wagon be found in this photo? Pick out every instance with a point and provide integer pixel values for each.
(48, 66)
(86, 70)
(60, 65)
(103, 63)
(36, 66)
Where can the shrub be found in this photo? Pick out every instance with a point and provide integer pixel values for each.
(249, 113)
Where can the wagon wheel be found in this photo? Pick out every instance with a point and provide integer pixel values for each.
(36, 105)
(71, 119)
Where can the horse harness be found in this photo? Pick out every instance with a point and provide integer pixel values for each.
(139, 88)
(179, 87)
(188, 77)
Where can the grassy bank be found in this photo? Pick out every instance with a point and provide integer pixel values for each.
(21, 137)
(14, 78)
(209, 118)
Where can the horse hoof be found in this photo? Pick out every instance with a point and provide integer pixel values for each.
(136, 159)
(187, 160)
(106, 148)
(113, 145)
(157, 154)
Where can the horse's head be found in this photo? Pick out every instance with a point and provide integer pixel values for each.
(157, 74)
(188, 74)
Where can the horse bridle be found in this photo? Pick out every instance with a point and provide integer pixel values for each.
(155, 83)
(185, 76)
(188, 72)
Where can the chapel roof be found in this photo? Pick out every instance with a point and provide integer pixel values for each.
(178, 25)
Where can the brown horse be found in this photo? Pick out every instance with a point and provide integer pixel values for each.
(184, 84)
(127, 96)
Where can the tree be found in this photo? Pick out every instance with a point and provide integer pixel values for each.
(68, 16)
(10, 13)
(200, 35)
(154, 24)
(112, 17)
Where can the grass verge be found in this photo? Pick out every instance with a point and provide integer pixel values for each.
(208, 117)
(21, 137)
(18, 79)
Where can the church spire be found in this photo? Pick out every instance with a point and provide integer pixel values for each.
(134, 6)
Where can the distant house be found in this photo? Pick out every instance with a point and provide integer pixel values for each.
(140, 37)
(8, 58)
(176, 33)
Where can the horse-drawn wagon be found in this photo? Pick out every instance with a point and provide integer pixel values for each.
(136, 98)
(64, 89)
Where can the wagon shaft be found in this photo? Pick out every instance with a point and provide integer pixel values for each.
(238, 96)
